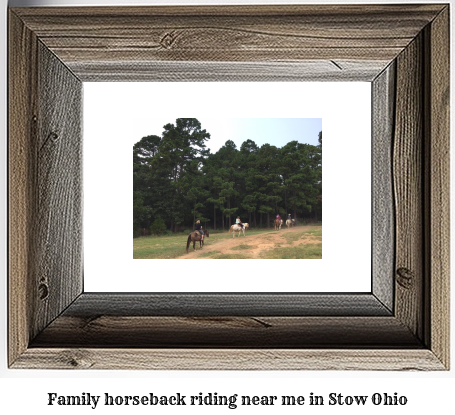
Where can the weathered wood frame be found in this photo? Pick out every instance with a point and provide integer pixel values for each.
(403, 50)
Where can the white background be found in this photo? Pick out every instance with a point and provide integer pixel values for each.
(111, 111)
(25, 391)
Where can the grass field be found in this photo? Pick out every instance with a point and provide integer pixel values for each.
(161, 247)
(302, 242)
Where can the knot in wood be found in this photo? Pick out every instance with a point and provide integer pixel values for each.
(53, 136)
(43, 291)
(76, 359)
(405, 278)
(168, 40)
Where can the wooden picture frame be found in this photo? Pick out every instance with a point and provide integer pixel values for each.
(403, 324)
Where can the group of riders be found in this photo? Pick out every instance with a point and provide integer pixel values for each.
(278, 217)
(238, 221)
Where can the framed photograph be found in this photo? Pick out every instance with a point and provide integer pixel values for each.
(251, 169)
(401, 323)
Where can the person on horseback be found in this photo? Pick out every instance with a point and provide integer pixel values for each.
(289, 217)
(238, 221)
(199, 229)
(278, 217)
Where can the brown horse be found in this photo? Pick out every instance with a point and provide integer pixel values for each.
(278, 223)
(194, 237)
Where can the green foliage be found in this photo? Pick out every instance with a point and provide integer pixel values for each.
(158, 226)
(141, 213)
(177, 179)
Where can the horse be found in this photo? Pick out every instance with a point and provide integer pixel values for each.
(238, 228)
(278, 223)
(194, 237)
(289, 223)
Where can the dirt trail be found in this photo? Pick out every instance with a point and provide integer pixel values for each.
(257, 243)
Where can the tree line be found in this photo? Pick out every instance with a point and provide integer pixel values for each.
(177, 180)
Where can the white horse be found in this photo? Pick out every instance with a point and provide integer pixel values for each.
(238, 228)
(289, 223)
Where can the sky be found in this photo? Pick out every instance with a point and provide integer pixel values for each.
(274, 131)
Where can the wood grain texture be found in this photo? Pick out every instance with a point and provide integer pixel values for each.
(307, 71)
(60, 47)
(439, 189)
(229, 359)
(22, 173)
(408, 188)
(90, 305)
(58, 204)
(227, 34)
(258, 332)
(383, 215)
(44, 187)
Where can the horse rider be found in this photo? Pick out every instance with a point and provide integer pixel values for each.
(238, 221)
(289, 217)
(199, 229)
(278, 217)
